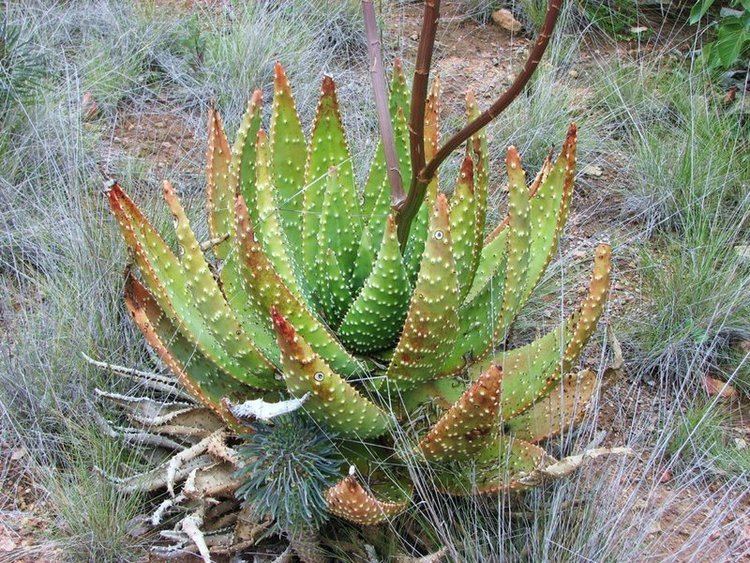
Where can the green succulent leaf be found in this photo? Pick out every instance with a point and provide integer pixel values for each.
(266, 219)
(288, 144)
(167, 280)
(498, 467)
(532, 371)
(463, 226)
(563, 407)
(328, 148)
(415, 243)
(201, 284)
(519, 234)
(335, 295)
(331, 400)
(430, 327)
(477, 149)
(548, 211)
(268, 291)
(199, 375)
(244, 156)
(219, 185)
(470, 425)
(375, 318)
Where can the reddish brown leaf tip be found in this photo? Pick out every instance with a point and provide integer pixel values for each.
(329, 86)
(442, 203)
(278, 71)
(283, 328)
(572, 136)
(168, 189)
(513, 157)
(257, 97)
(262, 136)
(603, 251)
(398, 66)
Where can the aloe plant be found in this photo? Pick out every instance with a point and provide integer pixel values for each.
(306, 298)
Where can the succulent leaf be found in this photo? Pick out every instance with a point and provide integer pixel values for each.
(266, 221)
(519, 234)
(463, 226)
(349, 500)
(484, 318)
(365, 259)
(432, 120)
(430, 327)
(498, 467)
(267, 290)
(375, 318)
(334, 293)
(470, 425)
(417, 235)
(167, 280)
(477, 148)
(252, 319)
(377, 181)
(200, 283)
(243, 176)
(549, 209)
(400, 97)
(328, 147)
(197, 374)
(532, 371)
(332, 402)
(592, 307)
(563, 407)
(287, 145)
(219, 185)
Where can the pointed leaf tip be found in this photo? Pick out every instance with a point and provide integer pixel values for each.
(278, 71)
(282, 326)
(329, 86)
(467, 171)
(349, 500)
(513, 159)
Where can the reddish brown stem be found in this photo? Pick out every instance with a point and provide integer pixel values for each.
(408, 210)
(420, 84)
(380, 90)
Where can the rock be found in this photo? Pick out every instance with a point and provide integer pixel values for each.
(573, 73)
(504, 18)
(414, 37)
(89, 107)
(638, 30)
(718, 388)
(592, 170)
(740, 443)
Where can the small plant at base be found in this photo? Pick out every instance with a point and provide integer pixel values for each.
(288, 468)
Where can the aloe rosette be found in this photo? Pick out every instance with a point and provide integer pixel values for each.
(306, 294)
